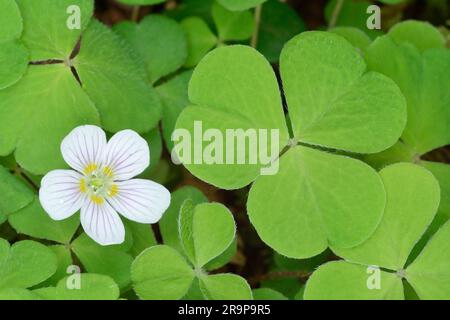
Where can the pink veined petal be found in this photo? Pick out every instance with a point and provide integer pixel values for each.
(140, 200)
(126, 155)
(83, 147)
(102, 223)
(60, 194)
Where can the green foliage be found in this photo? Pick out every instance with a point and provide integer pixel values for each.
(239, 5)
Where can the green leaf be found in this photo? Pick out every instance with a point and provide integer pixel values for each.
(35, 222)
(224, 258)
(424, 81)
(174, 98)
(186, 229)
(115, 81)
(143, 237)
(232, 25)
(225, 286)
(429, 274)
(412, 201)
(333, 102)
(356, 37)
(420, 34)
(153, 138)
(92, 287)
(162, 273)
(160, 42)
(46, 33)
(110, 261)
(13, 63)
(12, 24)
(34, 124)
(246, 98)
(25, 264)
(317, 197)
(346, 281)
(211, 219)
(64, 260)
(279, 23)
(17, 294)
(239, 5)
(169, 222)
(142, 2)
(200, 39)
(14, 194)
(267, 294)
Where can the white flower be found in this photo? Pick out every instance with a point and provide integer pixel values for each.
(100, 184)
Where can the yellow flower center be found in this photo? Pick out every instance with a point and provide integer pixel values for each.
(98, 183)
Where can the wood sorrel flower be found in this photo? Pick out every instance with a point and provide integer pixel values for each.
(100, 184)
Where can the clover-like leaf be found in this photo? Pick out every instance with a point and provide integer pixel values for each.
(14, 194)
(268, 294)
(355, 36)
(161, 272)
(200, 39)
(225, 286)
(143, 237)
(17, 294)
(429, 274)
(239, 5)
(25, 264)
(347, 109)
(160, 42)
(34, 221)
(232, 25)
(332, 199)
(13, 63)
(12, 24)
(64, 261)
(92, 287)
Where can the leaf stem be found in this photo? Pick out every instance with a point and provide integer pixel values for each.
(18, 171)
(336, 12)
(135, 13)
(255, 37)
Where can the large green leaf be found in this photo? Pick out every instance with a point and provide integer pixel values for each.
(429, 274)
(232, 88)
(143, 237)
(200, 39)
(13, 63)
(160, 42)
(11, 21)
(162, 273)
(14, 194)
(333, 102)
(34, 221)
(232, 25)
(115, 81)
(17, 294)
(38, 112)
(346, 281)
(46, 33)
(420, 34)
(225, 286)
(412, 201)
(25, 264)
(316, 199)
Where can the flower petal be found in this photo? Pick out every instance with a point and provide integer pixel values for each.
(102, 223)
(140, 200)
(82, 149)
(60, 193)
(126, 155)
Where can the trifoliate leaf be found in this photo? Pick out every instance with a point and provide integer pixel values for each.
(11, 19)
(268, 294)
(211, 219)
(25, 264)
(332, 199)
(110, 261)
(412, 201)
(418, 33)
(35, 222)
(91, 287)
(239, 5)
(160, 42)
(14, 194)
(174, 98)
(169, 222)
(160, 272)
(38, 112)
(50, 28)
(249, 99)
(346, 281)
(232, 25)
(424, 82)
(13, 63)
(200, 39)
(225, 287)
(429, 274)
(223, 259)
(279, 23)
(115, 81)
(333, 102)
